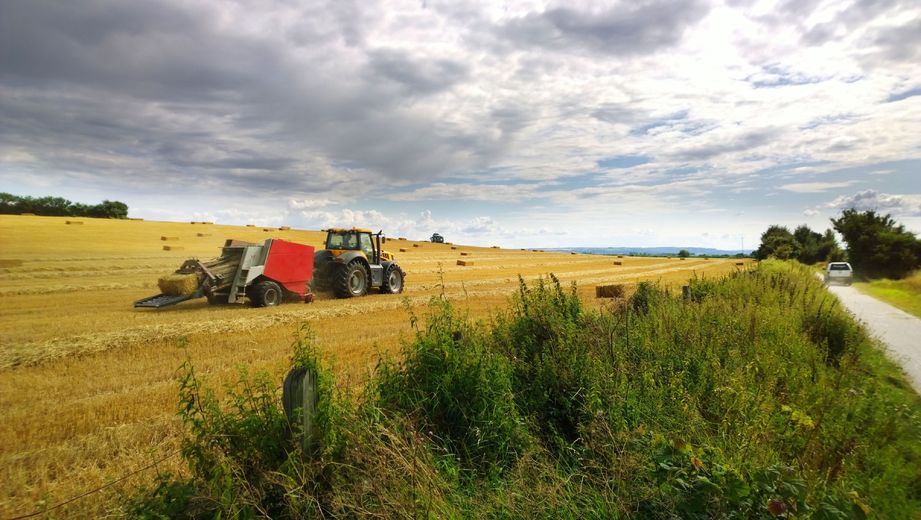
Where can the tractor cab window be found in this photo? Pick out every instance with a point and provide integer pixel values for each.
(366, 245)
(345, 240)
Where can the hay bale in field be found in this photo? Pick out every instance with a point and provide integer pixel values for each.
(453, 247)
(618, 263)
(465, 262)
(172, 248)
(165, 238)
(285, 228)
(609, 291)
(74, 222)
(620, 256)
(267, 229)
(682, 258)
(740, 264)
(403, 250)
(495, 247)
(464, 253)
(177, 284)
(573, 253)
(251, 225)
(203, 234)
(402, 238)
(417, 245)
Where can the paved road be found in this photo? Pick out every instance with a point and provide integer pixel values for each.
(898, 330)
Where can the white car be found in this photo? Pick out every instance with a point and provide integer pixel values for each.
(839, 272)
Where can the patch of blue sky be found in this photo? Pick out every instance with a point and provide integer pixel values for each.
(829, 120)
(899, 96)
(774, 76)
(668, 120)
(623, 161)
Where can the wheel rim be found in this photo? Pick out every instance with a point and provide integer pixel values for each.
(395, 281)
(271, 296)
(356, 282)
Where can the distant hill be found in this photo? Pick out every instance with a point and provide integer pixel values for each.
(651, 251)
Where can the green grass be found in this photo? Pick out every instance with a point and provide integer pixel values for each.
(755, 396)
(904, 294)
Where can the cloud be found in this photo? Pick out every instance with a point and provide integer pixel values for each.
(815, 187)
(899, 205)
(811, 212)
(309, 204)
(468, 191)
(621, 28)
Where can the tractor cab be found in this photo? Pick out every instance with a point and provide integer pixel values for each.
(339, 240)
(354, 262)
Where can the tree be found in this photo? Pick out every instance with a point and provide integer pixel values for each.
(877, 245)
(684, 253)
(60, 207)
(776, 242)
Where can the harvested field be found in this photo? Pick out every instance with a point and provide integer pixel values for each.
(87, 387)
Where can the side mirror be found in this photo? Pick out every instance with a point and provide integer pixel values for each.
(383, 240)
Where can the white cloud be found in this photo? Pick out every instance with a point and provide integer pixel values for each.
(811, 212)
(907, 205)
(309, 203)
(815, 187)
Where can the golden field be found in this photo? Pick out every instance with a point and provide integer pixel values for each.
(86, 381)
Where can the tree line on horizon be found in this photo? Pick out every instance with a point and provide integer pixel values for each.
(60, 207)
(876, 245)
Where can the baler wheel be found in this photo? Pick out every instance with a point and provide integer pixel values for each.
(393, 281)
(351, 280)
(266, 294)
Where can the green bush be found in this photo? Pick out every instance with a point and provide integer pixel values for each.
(753, 396)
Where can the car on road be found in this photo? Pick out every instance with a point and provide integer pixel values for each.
(839, 272)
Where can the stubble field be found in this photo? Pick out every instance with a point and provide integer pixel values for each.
(87, 389)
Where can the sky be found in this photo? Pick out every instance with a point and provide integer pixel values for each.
(520, 124)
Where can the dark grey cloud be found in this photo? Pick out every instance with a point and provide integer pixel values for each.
(419, 75)
(744, 142)
(625, 29)
(160, 92)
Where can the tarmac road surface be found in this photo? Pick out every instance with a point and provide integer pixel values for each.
(898, 330)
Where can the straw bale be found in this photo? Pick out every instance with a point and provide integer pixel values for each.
(573, 253)
(165, 238)
(284, 228)
(172, 248)
(402, 238)
(403, 249)
(176, 284)
(682, 258)
(267, 229)
(464, 253)
(203, 234)
(740, 263)
(618, 263)
(453, 247)
(74, 222)
(495, 247)
(417, 245)
(620, 256)
(465, 262)
(251, 225)
(609, 291)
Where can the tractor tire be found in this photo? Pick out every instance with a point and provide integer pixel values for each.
(266, 294)
(351, 280)
(393, 281)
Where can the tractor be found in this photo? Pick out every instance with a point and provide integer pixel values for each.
(437, 239)
(353, 262)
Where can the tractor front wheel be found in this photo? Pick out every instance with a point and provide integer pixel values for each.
(266, 294)
(351, 280)
(393, 281)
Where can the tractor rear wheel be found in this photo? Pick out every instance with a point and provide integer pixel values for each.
(266, 294)
(393, 281)
(351, 280)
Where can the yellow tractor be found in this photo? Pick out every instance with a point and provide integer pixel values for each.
(353, 262)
